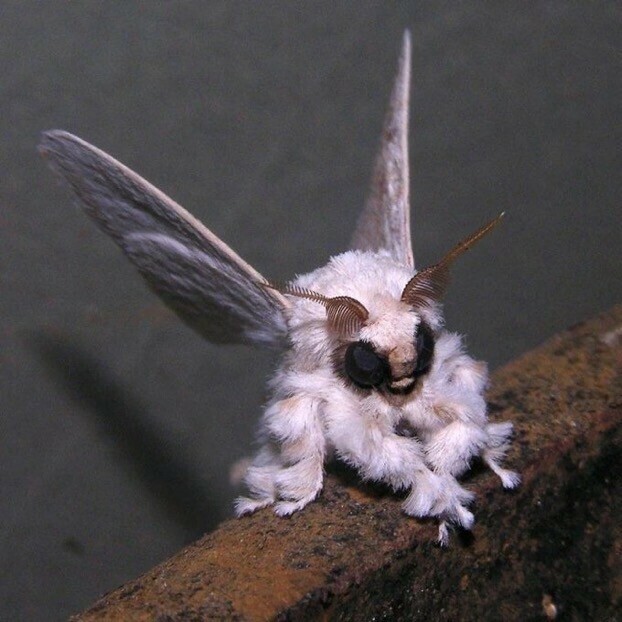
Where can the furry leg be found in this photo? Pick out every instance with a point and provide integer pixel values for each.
(300, 483)
(259, 479)
(381, 455)
(451, 449)
(495, 450)
(290, 472)
(449, 452)
(440, 495)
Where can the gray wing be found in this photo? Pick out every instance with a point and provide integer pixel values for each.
(196, 274)
(385, 221)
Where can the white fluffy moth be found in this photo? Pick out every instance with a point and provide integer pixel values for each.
(365, 354)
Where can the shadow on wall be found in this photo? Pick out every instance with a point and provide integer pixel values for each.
(173, 482)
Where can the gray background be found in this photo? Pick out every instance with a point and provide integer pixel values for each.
(118, 424)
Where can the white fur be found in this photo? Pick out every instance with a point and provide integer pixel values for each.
(313, 413)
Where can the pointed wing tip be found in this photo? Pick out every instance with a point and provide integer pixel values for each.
(406, 39)
(400, 96)
(50, 136)
(46, 141)
(52, 140)
(405, 56)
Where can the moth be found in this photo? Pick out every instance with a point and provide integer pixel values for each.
(365, 354)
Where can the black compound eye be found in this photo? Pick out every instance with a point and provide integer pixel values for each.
(363, 366)
(424, 343)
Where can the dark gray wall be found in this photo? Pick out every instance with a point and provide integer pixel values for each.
(118, 424)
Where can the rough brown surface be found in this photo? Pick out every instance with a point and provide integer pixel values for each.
(553, 546)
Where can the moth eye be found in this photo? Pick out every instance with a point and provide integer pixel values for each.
(424, 343)
(364, 366)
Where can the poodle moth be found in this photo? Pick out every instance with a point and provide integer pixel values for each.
(365, 354)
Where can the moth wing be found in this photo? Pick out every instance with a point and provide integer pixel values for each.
(196, 274)
(385, 221)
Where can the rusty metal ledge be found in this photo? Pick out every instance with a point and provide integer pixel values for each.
(552, 547)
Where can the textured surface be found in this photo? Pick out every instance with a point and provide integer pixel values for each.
(118, 424)
(354, 556)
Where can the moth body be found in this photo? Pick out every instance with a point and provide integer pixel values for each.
(368, 372)
(317, 411)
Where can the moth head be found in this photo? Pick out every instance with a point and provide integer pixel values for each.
(392, 351)
(386, 348)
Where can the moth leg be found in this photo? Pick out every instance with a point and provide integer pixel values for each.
(443, 533)
(295, 424)
(299, 484)
(378, 455)
(468, 380)
(289, 471)
(442, 496)
(451, 449)
(449, 452)
(495, 450)
(381, 455)
(259, 479)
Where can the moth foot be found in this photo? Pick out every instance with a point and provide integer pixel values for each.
(439, 495)
(463, 517)
(248, 505)
(451, 506)
(509, 479)
(443, 533)
(286, 508)
(494, 453)
(459, 516)
(423, 495)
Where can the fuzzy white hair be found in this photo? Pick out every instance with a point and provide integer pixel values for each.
(314, 412)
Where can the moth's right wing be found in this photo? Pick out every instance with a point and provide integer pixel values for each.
(385, 221)
(196, 274)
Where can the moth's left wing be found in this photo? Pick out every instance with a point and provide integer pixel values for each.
(196, 274)
(385, 221)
